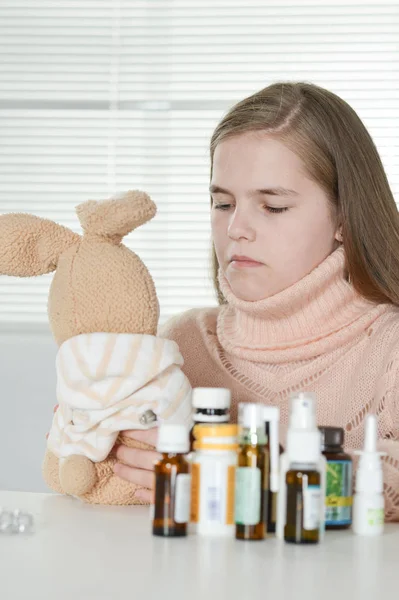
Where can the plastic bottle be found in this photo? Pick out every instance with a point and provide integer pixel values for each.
(339, 479)
(172, 482)
(300, 508)
(271, 417)
(211, 405)
(368, 501)
(213, 469)
(252, 474)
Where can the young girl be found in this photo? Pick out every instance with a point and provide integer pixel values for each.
(306, 268)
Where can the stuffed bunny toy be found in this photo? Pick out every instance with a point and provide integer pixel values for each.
(112, 369)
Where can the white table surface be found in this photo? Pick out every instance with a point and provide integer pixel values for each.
(91, 552)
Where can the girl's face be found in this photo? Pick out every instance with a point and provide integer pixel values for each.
(271, 223)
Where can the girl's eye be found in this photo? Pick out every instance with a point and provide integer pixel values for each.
(273, 209)
(221, 206)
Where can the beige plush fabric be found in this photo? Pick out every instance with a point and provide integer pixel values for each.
(99, 285)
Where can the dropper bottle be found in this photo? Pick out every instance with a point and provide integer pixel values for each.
(368, 501)
(252, 474)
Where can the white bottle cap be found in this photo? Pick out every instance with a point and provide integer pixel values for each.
(302, 411)
(173, 438)
(303, 437)
(218, 398)
(250, 416)
(369, 475)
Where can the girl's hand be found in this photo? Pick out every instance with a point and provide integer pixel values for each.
(137, 466)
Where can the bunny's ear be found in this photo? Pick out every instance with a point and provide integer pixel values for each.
(116, 217)
(30, 245)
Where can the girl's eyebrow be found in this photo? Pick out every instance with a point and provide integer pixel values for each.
(275, 191)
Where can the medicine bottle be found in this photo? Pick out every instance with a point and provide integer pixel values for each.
(172, 482)
(211, 405)
(213, 470)
(252, 474)
(339, 479)
(303, 492)
(303, 504)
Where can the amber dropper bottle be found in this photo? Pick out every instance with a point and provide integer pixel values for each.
(252, 474)
(172, 482)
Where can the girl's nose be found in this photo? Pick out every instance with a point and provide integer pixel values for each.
(240, 227)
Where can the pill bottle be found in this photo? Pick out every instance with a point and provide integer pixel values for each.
(213, 468)
(339, 479)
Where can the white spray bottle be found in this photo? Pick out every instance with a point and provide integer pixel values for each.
(368, 501)
(303, 446)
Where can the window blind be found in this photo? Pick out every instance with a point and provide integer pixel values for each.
(99, 96)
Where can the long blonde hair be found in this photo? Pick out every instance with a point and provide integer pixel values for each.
(340, 155)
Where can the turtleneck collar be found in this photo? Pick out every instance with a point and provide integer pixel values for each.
(317, 314)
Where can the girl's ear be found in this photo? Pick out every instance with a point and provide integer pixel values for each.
(339, 236)
(30, 245)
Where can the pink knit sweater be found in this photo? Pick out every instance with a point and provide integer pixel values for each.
(318, 335)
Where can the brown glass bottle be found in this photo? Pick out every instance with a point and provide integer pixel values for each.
(303, 505)
(252, 456)
(172, 483)
(338, 479)
(252, 474)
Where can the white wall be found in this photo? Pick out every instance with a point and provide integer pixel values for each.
(27, 377)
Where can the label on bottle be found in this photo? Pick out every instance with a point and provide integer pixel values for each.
(230, 498)
(339, 492)
(311, 507)
(248, 496)
(375, 517)
(212, 494)
(195, 493)
(182, 498)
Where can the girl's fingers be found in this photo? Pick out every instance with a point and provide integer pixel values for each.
(140, 477)
(134, 457)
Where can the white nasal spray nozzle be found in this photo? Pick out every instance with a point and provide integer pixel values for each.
(369, 477)
(368, 505)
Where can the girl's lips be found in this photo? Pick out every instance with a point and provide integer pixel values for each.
(245, 263)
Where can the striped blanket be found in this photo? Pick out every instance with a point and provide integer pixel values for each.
(106, 381)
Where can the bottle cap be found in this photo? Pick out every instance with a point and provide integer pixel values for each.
(215, 437)
(369, 475)
(251, 416)
(173, 438)
(331, 437)
(303, 437)
(302, 411)
(221, 430)
(219, 398)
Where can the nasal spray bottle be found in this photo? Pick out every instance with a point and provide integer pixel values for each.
(271, 417)
(300, 506)
(368, 502)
